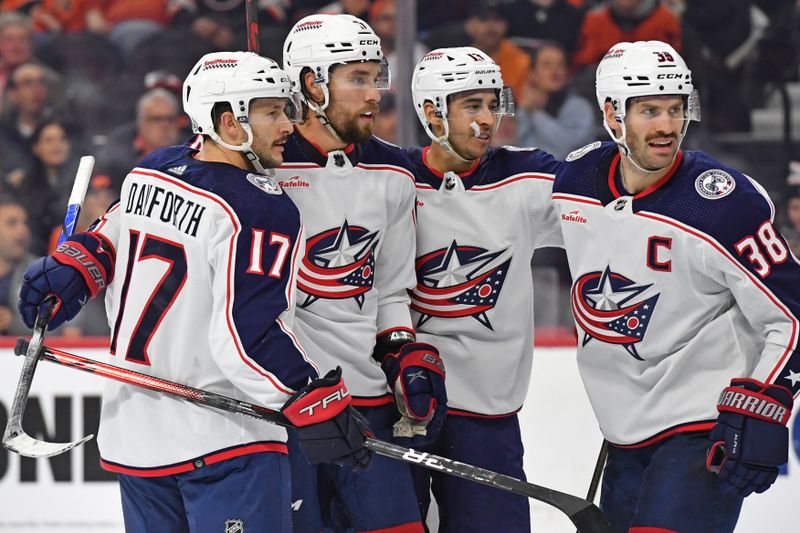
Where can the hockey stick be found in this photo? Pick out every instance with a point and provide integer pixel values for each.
(584, 514)
(14, 437)
(598, 472)
(251, 15)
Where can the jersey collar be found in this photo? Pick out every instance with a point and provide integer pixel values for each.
(318, 156)
(615, 183)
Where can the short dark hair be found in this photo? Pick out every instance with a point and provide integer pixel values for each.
(7, 199)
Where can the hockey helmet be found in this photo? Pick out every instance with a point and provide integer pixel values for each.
(237, 78)
(320, 42)
(447, 71)
(643, 68)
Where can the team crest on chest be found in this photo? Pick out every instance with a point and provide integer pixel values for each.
(714, 184)
(339, 264)
(459, 281)
(265, 183)
(610, 308)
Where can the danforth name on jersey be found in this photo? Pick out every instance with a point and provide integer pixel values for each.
(675, 291)
(219, 247)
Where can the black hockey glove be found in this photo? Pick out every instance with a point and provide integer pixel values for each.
(750, 439)
(328, 429)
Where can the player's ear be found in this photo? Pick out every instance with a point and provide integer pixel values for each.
(311, 89)
(433, 119)
(610, 116)
(230, 130)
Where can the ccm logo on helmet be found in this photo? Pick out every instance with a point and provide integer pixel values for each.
(368, 42)
(332, 398)
(669, 76)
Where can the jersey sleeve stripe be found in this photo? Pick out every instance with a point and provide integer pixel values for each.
(792, 344)
(512, 179)
(230, 278)
(392, 168)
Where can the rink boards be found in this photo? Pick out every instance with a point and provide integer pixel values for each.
(71, 494)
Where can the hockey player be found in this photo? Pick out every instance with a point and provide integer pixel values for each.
(356, 194)
(481, 213)
(686, 302)
(200, 257)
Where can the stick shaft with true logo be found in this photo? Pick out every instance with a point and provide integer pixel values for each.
(584, 514)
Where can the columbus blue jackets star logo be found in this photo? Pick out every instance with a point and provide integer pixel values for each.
(459, 281)
(609, 307)
(339, 264)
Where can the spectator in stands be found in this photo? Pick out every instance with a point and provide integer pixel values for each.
(386, 119)
(14, 260)
(357, 8)
(216, 23)
(29, 103)
(126, 23)
(44, 188)
(487, 26)
(624, 20)
(16, 46)
(549, 115)
(791, 226)
(546, 20)
(58, 16)
(29, 98)
(157, 125)
(92, 319)
(721, 37)
(382, 17)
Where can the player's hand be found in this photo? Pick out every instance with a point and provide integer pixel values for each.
(73, 274)
(416, 376)
(328, 429)
(750, 439)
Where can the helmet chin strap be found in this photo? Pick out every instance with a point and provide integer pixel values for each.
(245, 148)
(444, 142)
(626, 151)
(319, 110)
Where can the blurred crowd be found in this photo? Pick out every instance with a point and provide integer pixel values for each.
(103, 77)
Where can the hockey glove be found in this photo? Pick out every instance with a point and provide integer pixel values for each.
(416, 376)
(750, 439)
(77, 271)
(328, 429)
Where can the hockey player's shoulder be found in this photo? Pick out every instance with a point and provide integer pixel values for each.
(522, 160)
(717, 183)
(381, 155)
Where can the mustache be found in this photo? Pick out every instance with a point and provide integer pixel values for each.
(671, 136)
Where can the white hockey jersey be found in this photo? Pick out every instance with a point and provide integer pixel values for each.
(676, 290)
(202, 294)
(476, 234)
(353, 283)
